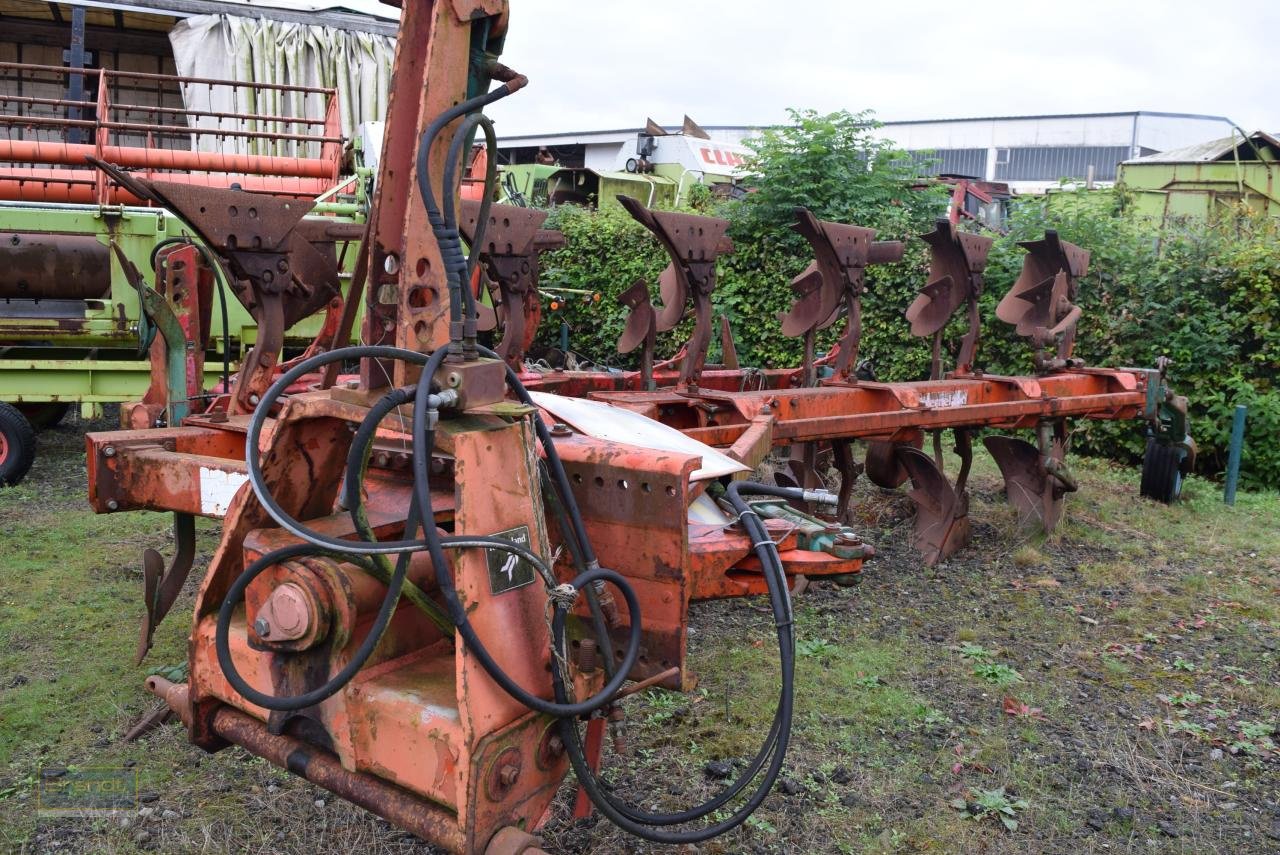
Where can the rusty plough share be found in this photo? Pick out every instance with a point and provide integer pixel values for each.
(407, 554)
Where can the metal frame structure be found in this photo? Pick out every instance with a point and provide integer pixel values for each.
(419, 687)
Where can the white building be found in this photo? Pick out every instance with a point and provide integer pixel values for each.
(1030, 153)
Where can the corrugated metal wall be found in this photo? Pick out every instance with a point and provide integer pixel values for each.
(952, 161)
(1049, 163)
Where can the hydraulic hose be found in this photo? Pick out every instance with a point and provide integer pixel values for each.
(370, 553)
(775, 745)
(433, 543)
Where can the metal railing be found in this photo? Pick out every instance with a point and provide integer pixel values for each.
(275, 137)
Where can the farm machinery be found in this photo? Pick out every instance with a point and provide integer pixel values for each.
(437, 569)
(660, 169)
(77, 319)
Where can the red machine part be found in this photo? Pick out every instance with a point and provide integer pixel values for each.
(294, 156)
(424, 733)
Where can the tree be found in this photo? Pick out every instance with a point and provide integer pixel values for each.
(838, 167)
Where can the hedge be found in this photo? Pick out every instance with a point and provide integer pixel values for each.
(1206, 295)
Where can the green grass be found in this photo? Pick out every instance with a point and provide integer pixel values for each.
(886, 690)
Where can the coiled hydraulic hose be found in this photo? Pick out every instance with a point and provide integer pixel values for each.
(368, 551)
(432, 542)
(774, 748)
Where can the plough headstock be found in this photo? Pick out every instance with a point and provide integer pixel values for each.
(693, 243)
(1041, 303)
(956, 263)
(513, 239)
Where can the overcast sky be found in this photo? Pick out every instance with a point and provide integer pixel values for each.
(597, 64)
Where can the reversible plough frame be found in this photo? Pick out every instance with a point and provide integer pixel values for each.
(375, 683)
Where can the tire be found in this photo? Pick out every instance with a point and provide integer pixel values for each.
(17, 445)
(44, 416)
(1162, 472)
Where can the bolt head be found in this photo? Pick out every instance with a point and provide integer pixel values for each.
(112, 504)
(261, 627)
(508, 775)
(253, 399)
(109, 451)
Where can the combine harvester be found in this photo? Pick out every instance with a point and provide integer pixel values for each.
(434, 572)
(661, 170)
(76, 322)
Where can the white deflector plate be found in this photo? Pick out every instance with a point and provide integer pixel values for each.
(617, 424)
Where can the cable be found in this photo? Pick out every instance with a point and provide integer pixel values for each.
(776, 742)
(425, 414)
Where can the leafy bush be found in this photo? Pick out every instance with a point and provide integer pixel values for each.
(1207, 295)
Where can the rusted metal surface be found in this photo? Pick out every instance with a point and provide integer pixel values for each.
(288, 277)
(1036, 477)
(406, 298)
(513, 841)
(420, 816)
(162, 583)
(53, 267)
(292, 155)
(956, 263)
(423, 735)
(513, 238)
(693, 243)
(641, 328)
(184, 291)
(834, 284)
(1040, 304)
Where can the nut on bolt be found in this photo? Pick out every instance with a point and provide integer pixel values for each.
(109, 451)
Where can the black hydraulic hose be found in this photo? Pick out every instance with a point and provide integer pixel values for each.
(357, 464)
(775, 746)
(447, 237)
(361, 443)
(424, 416)
(466, 267)
(598, 621)
(222, 642)
(573, 528)
(490, 178)
(423, 435)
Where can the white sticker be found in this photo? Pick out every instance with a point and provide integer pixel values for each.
(943, 400)
(217, 489)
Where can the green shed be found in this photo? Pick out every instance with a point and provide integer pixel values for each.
(1198, 180)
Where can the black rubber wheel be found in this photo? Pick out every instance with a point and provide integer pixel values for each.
(1162, 472)
(17, 445)
(44, 415)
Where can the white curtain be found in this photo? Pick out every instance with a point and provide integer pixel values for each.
(255, 50)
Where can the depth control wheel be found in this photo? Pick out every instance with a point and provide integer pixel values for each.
(1162, 472)
(17, 445)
